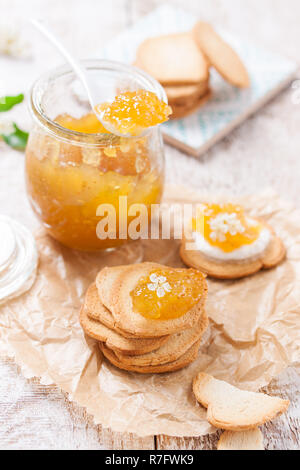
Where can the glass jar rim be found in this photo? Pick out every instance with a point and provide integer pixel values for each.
(82, 138)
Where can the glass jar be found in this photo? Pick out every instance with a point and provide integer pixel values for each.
(70, 173)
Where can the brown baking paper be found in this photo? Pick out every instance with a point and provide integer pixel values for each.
(253, 335)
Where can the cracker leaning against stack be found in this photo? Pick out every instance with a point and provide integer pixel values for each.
(236, 411)
(162, 339)
(181, 63)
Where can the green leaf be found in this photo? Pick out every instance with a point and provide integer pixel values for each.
(8, 102)
(17, 139)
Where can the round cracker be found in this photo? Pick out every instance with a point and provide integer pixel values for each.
(106, 283)
(96, 311)
(172, 350)
(221, 55)
(112, 339)
(185, 92)
(156, 57)
(180, 363)
(184, 95)
(120, 305)
(243, 440)
(233, 409)
(180, 112)
(270, 258)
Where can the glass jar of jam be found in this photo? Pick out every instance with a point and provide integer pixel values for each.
(73, 165)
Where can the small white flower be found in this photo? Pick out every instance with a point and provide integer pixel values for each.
(11, 42)
(151, 287)
(153, 278)
(160, 292)
(159, 284)
(6, 127)
(225, 223)
(167, 287)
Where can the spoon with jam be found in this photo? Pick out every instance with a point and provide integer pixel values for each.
(131, 113)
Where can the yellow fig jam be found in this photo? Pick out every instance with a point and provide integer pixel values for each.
(89, 123)
(133, 111)
(225, 226)
(166, 294)
(66, 183)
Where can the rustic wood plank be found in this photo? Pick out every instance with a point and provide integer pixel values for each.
(35, 416)
(121, 441)
(208, 442)
(284, 432)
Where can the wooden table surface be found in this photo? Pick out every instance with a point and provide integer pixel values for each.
(262, 153)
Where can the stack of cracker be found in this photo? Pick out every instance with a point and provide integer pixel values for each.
(181, 63)
(129, 340)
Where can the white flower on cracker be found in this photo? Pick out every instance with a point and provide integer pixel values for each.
(159, 284)
(225, 223)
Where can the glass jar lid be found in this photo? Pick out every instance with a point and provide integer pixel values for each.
(18, 259)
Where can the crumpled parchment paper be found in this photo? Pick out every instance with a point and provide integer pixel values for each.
(253, 334)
